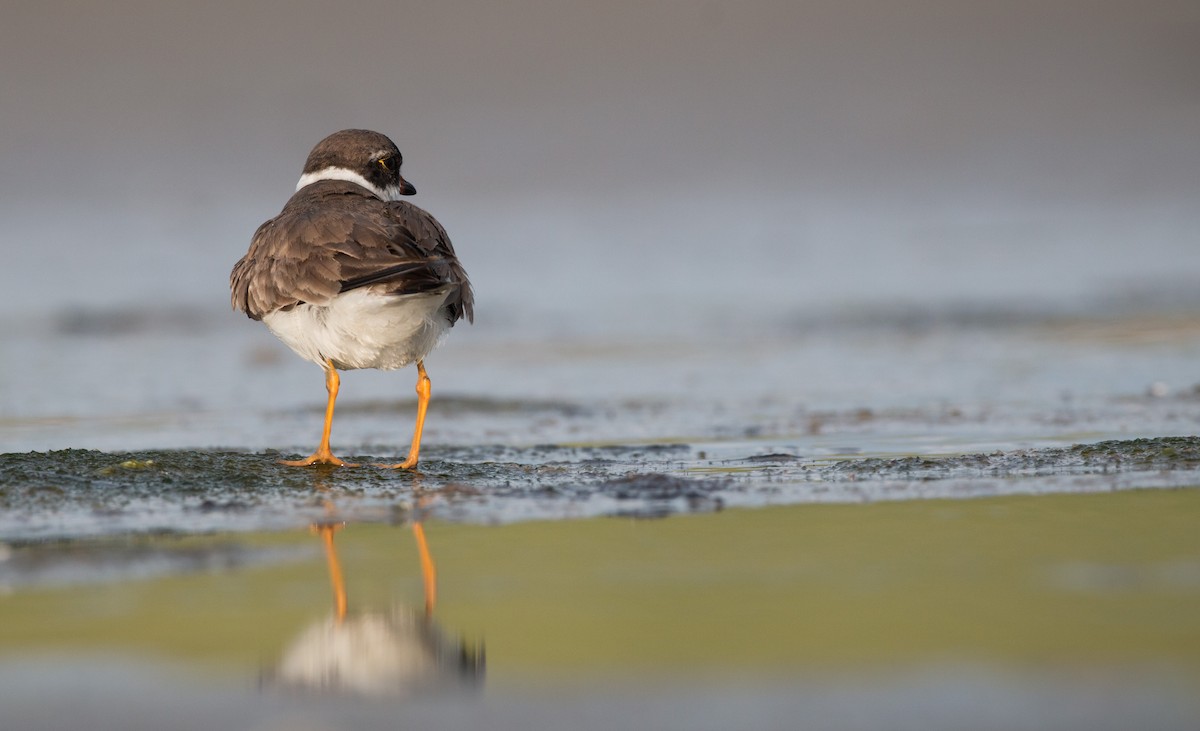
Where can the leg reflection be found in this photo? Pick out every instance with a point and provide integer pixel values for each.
(428, 570)
(335, 569)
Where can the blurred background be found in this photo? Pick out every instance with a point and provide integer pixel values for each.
(684, 169)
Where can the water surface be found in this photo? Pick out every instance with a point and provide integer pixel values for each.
(1067, 611)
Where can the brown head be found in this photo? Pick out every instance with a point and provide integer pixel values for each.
(358, 156)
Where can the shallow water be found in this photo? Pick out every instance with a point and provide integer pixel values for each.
(1067, 611)
(203, 380)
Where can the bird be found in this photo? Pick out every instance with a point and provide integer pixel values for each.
(350, 276)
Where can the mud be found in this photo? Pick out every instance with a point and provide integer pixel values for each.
(61, 494)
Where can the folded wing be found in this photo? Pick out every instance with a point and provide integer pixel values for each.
(314, 251)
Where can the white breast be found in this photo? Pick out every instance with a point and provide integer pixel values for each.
(364, 329)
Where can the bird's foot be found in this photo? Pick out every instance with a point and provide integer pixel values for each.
(319, 457)
(408, 464)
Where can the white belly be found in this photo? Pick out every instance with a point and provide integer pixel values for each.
(362, 329)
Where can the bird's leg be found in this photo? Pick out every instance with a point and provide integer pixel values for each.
(323, 455)
(423, 391)
(428, 571)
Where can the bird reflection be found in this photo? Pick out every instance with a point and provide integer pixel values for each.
(397, 651)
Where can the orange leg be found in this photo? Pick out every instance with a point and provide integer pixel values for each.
(323, 455)
(428, 571)
(335, 570)
(423, 391)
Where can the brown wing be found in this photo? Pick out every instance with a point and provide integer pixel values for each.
(333, 237)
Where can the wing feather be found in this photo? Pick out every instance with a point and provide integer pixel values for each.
(332, 237)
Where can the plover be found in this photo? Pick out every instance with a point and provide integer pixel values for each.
(349, 276)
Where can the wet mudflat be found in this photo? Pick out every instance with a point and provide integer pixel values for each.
(976, 526)
(75, 493)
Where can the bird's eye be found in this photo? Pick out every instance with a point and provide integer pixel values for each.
(389, 163)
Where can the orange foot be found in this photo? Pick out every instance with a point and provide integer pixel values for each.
(321, 456)
(407, 464)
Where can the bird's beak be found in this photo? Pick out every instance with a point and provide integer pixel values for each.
(407, 188)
